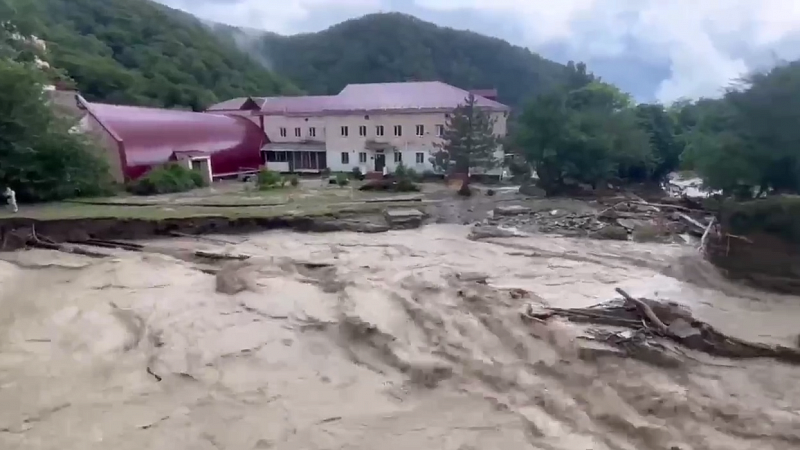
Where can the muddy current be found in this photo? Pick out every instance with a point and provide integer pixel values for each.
(401, 340)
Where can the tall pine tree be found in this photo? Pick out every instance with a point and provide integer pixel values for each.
(468, 141)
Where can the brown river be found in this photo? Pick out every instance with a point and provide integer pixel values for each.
(385, 342)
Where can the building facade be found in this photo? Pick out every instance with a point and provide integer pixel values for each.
(369, 126)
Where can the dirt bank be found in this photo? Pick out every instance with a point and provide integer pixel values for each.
(15, 233)
(397, 340)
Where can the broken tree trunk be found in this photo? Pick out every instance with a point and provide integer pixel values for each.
(655, 320)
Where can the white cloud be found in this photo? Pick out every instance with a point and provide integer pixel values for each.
(694, 37)
(705, 43)
(272, 15)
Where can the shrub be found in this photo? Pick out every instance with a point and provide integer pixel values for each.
(166, 179)
(342, 180)
(405, 185)
(294, 180)
(412, 174)
(400, 172)
(267, 179)
(519, 170)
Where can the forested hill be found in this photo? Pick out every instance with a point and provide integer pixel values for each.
(140, 52)
(398, 47)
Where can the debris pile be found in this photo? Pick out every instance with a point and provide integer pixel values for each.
(647, 330)
(618, 218)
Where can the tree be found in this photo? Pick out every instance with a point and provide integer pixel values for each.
(394, 47)
(39, 158)
(143, 53)
(468, 141)
(745, 144)
(587, 134)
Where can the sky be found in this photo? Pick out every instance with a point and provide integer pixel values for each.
(657, 49)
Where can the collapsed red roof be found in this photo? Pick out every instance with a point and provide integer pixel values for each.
(149, 136)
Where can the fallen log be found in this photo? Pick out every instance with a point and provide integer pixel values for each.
(645, 310)
(669, 321)
(220, 256)
(64, 248)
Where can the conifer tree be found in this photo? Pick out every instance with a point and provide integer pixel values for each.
(468, 141)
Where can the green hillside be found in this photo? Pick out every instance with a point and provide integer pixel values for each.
(398, 47)
(140, 52)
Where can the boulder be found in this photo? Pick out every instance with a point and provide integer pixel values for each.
(611, 232)
(531, 190)
(511, 210)
(485, 232)
(404, 218)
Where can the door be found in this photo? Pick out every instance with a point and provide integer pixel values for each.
(380, 162)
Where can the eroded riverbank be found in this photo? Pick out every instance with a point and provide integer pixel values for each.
(390, 342)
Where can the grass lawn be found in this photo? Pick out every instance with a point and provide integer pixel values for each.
(230, 199)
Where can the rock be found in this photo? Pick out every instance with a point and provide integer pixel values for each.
(404, 218)
(235, 277)
(511, 210)
(531, 190)
(648, 233)
(365, 227)
(611, 232)
(484, 232)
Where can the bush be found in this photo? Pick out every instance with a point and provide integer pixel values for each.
(166, 179)
(294, 180)
(267, 179)
(342, 179)
(519, 170)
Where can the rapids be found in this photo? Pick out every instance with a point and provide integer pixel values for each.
(384, 341)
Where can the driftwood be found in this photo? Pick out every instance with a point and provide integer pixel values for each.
(652, 320)
(220, 256)
(65, 248)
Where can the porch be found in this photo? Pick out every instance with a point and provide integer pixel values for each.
(295, 158)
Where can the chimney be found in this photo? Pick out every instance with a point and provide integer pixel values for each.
(491, 94)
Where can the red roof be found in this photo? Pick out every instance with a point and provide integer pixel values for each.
(417, 96)
(150, 136)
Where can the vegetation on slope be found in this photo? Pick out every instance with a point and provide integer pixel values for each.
(39, 158)
(743, 144)
(395, 47)
(140, 52)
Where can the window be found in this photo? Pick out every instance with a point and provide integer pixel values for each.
(345, 158)
(362, 130)
(345, 131)
(362, 157)
(312, 132)
(297, 132)
(398, 157)
(420, 158)
(379, 130)
(398, 130)
(276, 156)
(283, 132)
(420, 130)
(439, 130)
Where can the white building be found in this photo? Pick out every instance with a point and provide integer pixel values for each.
(366, 125)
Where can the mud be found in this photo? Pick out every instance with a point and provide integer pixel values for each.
(14, 233)
(404, 339)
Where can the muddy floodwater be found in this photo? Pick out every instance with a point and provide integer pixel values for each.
(381, 341)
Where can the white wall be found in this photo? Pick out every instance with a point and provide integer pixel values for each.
(329, 129)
